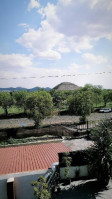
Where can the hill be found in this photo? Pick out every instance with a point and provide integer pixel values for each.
(65, 86)
(21, 88)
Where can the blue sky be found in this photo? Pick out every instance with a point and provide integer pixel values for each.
(44, 43)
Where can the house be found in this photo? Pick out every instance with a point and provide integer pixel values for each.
(79, 165)
(20, 165)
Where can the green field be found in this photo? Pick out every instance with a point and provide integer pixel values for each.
(12, 110)
(17, 110)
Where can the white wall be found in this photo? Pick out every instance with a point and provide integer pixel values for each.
(22, 184)
(83, 171)
(3, 189)
(24, 190)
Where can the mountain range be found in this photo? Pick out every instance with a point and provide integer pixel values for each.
(63, 86)
(21, 88)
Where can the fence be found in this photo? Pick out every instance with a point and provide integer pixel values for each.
(88, 125)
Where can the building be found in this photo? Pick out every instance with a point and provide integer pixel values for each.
(22, 164)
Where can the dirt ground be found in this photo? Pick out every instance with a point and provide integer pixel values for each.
(67, 118)
(15, 123)
(24, 122)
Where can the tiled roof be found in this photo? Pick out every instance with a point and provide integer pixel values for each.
(29, 158)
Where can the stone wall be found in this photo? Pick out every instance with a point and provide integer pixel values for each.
(58, 130)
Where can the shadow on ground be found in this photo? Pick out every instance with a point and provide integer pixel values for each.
(85, 190)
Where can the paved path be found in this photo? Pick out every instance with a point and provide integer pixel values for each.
(78, 144)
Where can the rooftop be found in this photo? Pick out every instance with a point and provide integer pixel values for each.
(29, 158)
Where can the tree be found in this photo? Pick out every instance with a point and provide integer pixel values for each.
(41, 188)
(67, 161)
(107, 96)
(97, 95)
(39, 105)
(82, 103)
(102, 136)
(20, 98)
(5, 101)
(97, 92)
(59, 98)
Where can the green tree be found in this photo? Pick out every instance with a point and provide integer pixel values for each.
(102, 136)
(20, 98)
(5, 101)
(39, 105)
(59, 98)
(97, 92)
(81, 103)
(107, 96)
(67, 162)
(97, 95)
(41, 188)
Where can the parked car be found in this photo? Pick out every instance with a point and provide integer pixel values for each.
(105, 110)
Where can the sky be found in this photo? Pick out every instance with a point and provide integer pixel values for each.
(46, 42)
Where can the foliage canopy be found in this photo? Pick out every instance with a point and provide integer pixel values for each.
(39, 105)
(41, 188)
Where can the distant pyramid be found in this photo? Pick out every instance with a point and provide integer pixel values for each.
(66, 86)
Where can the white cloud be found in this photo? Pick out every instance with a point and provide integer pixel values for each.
(79, 68)
(33, 4)
(109, 67)
(74, 67)
(44, 42)
(92, 59)
(66, 3)
(19, 70)
(70, 26)
(105, 4)
(14, 61)
(49, 54)
(24, 25)
(79, 43)
(80, 20)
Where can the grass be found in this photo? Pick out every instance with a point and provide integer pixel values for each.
(109, 105)
(25, 140)
(12, 110)
(18, 141)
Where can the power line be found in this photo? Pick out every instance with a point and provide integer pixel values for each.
(57, 76)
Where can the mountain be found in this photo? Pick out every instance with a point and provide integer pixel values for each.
(21, 88)
(65, 86)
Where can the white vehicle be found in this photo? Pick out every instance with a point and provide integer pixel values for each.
(105, 110)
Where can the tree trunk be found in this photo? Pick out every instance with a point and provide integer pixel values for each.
(25, 110)
(6, 111)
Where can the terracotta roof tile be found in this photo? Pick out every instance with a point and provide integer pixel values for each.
(29, 158)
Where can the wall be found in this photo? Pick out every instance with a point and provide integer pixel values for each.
(3, 189)
(57, 130)
(22, 182)
(83, 171)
